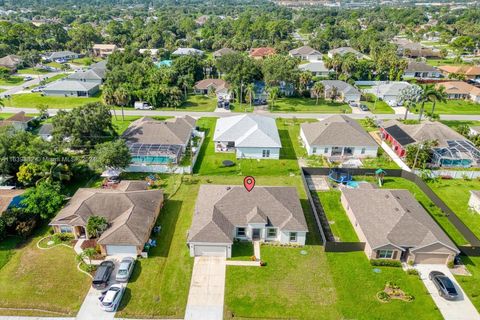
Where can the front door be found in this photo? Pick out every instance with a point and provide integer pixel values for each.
(256, 234)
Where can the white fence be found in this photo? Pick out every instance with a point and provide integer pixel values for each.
(455, 174)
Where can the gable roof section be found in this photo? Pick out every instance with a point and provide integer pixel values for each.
(222, 52)
(342, 86)
(414, 66)
(393, 88)
(248, 131)
(466, 70)
(220, 208)
(394, 217)
(314, 66)
(168, 132)
(459, 87)
(70, 85)
(10, 61)
(218, 84)
(304, 50)
(90, 74)
(262, 52)
(338, 130)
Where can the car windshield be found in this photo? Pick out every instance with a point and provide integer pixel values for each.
(449, 285)
(110, 296)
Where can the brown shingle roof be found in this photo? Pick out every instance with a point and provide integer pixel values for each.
(17, 117)
(466, 70)
(10, 61)
(459, 87)
(204, 84)
(223, 51)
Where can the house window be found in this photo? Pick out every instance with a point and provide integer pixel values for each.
(326, 150)
(363, 150)
(266, 154)
(240, 232)
(385, 254)
(314, 150)
(293, 237)
(65, 229)
(272, 233)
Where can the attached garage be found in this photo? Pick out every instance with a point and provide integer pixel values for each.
(431, 258)
(121, 250)
(211, 250)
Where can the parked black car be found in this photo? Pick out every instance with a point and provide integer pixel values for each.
(444, 285)
(104, 270)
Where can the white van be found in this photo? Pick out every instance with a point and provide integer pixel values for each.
(140, 105)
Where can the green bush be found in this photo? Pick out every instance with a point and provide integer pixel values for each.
(385, 263)
(413, 272)
(63, 237)
(383, 296)
(450, 264)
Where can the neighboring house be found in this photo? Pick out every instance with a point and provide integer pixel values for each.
(306, 53)
(103, 50)
(317, 68)
(10, 198)
(452, 149)
(470, 72)
(390, 92)
(421, 70)
(11, 62)
(411, 49)
(206, 86)
(71, 88)
(187, 52)
(395, 226)
(250, 136)
(155, 142)
(224, 214)
(19, 121)
(221, 52)
(262, 52)
(90, 75)
(346, 92)
(337, 136)
(61, 56)
(45, 131)
(460, 90)
(344, 50)
(152, 52)
(100, 68)
(474, 201)
(130, 210)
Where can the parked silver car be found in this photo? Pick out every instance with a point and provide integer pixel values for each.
(445, 286)
(125, 269)
(110, 299)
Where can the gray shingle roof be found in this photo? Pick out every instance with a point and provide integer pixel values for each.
(304, 50)
(91, 74)
(342, 86)
(394, 217)
(248, 131)
(219, 208)
(414, 66)
(338, 130)
(70, 85)
(315, 66)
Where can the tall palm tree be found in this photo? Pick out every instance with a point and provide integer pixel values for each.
(428, 90)
(318, 90)
(410, 96)
(250, 92)
(304, 78)
(438, 95)
(122, 96)
(109, 98)
(185, 83)
(273, 95)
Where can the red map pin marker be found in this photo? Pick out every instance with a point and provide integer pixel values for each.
(249, 183)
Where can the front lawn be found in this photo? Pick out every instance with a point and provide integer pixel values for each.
(471, 284)
(121, 123)
(210, 162)
(379, 107)
(197, 103)
(453, 107)
(32, 100)
(49, 80)
(309, 105)
(11, 81)
(35, 71)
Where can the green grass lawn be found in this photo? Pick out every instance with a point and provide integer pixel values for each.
(49, 80)
(7, 247)
(471, 284)
(121, 124)
(455, 193)
(49, 278)
(340, 225)
(197, 103)
(441, 62)
(11, 81)
(379, 107)
(32, 71)
(453, 107)
(382, 160)
(85, 61)
(31, 100)
(309, 105)
(209, 162)
(454, 123)
(242, 250)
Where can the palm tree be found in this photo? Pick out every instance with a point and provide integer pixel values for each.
(250, 92)
(273, 95)
(318, 90)
(109, 98)
(2, 103)
(56, 172)
(122, 96)
(185, 82)
(410, 96)
(439, 95)
(428, 92)
(304, 78)
(333, 93)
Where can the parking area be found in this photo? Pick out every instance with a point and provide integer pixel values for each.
(460, 309)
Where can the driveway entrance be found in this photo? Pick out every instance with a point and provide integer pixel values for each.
(207, 289)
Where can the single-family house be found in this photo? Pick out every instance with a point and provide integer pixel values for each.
(345, 91)
(262, 52)
(19, 121)
(344, 50)
(474, 201)
(90, 75)
(306, 53)
(100, 68)
(71, 88)
(317, 68)
(219, 86)
(103, 50)
(61, 56)
(154, 142)
(11, 62)
(421, 70)
(411, 49)
(337, 136)
(45, 131)
(152, 52)
(470, 72)
(222, 52)
(395, 226)
(187, 52)
(390, 92)
(10, 198)
(130, 210)
(224, 214)
(460, 90)
(451, 150)
(249, 136)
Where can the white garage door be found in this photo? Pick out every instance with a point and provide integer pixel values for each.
(211, 251)
(431, 258)
(121, 250)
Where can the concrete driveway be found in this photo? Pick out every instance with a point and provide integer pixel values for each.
(207, 289)
(460, 309)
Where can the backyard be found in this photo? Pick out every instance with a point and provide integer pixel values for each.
(32, 100)
(309, 105)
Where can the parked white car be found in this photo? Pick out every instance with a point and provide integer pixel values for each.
(125, 269)
(110, 299)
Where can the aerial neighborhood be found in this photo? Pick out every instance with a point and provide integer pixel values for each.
(239, 160)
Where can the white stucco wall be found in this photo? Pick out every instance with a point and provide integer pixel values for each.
(370, 152)
(474, 203)
(285, 237)
(256, 153)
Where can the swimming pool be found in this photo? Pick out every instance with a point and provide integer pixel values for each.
(152, 159)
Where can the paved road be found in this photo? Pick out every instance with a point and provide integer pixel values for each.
(268, 114)
(460, 309)
(36, 80)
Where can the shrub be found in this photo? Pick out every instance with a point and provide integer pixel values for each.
(383, 296)
(413, 272)
(450, 264)
(25, 228)
(385, 263)
(409, 297)
(63, 237)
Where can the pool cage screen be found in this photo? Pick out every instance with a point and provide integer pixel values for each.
(155, 153)
(457, 153)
